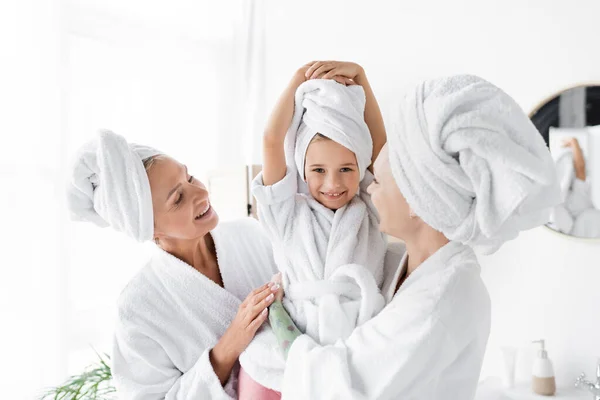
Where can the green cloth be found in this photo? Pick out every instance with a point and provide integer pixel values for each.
(284, 328)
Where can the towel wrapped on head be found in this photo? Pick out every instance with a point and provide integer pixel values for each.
(470, 163)
(109, 186)
(335, 111)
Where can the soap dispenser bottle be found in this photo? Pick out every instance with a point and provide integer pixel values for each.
(543, 381)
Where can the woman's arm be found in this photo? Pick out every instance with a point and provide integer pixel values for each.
(373, 117)
(143, 370)
(274, 167)
(578, 158)
(398, 353)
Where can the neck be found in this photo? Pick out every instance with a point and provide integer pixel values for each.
(200, 253)
(421, 245)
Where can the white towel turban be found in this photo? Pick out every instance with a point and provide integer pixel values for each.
(470, 163)
(109, 186)
(333, 110)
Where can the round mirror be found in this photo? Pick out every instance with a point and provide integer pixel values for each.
(569, 122)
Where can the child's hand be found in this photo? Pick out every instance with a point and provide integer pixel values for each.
(301, 72)
(343, 80)
(331, 69)
(571, 142)
(276, 279)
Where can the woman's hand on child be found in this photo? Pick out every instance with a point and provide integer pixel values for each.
(276, 280)
(332, 69)
(250, 316)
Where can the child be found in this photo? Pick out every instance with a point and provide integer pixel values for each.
(312, 200)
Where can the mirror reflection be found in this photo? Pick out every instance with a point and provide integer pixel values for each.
(570, 125)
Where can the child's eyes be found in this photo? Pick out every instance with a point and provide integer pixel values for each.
(319, 170)
(346, 169)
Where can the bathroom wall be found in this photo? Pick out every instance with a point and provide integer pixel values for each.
(542, 284)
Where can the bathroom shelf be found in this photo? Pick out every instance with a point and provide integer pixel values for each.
(487, 391)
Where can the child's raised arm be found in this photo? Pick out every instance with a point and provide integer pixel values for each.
(274, 167)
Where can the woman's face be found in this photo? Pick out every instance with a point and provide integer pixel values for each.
(394, 211)
(180, 202)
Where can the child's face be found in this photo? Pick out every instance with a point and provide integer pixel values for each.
(331, 172)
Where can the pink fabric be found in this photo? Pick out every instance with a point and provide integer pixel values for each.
(248, 389)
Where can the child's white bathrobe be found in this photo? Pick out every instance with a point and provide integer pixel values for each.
(170, 316)
(428, 343)
(322, 254)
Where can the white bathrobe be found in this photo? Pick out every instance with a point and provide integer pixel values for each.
(170, 316)
(428, 343)
(332, 265)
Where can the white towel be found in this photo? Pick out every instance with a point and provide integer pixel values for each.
(470, 163)
(109, 186)
(333, 110)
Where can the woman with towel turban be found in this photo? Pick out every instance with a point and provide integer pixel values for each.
(184, 319)
(464, 170)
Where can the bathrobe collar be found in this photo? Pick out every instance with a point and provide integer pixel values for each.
(435, 262)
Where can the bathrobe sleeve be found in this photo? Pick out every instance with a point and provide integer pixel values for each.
(365, 196)
(397, 354)
(276, 203)
(579, 198)
(143, 371)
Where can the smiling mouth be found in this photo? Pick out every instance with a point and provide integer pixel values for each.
(333, 195)
(203, 212)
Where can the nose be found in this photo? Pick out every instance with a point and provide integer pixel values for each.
(332, 181)
(200, 193)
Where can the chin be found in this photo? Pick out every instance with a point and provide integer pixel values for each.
(214, 221)
(210, 224)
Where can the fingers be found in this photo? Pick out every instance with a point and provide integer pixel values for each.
(321, 70)
(258, 321)
(312, 68)
(262, 296)
(257, 294)
(339, 79)
(331, 74)
(276, 279)
(252, 312)
(279, 294)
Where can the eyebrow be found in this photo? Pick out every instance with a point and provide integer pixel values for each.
(343, 165)
(176, 187)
